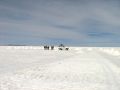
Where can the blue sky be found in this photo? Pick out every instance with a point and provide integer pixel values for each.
(72, 22)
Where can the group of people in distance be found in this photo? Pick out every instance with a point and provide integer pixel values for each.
(61, 47)
(48, 47)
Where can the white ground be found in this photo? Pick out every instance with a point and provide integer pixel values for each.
(80, 68)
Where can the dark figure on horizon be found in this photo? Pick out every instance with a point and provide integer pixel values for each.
(52, 47)
(61, 45)
(46, 47)
(66, 48)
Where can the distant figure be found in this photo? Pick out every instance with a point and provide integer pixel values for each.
(46, 47)
(66, 48)
(52, 47)
(61, 45)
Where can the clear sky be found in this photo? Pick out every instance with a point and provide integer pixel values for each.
(71, 22)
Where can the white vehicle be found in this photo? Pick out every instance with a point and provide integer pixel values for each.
(62, 47)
